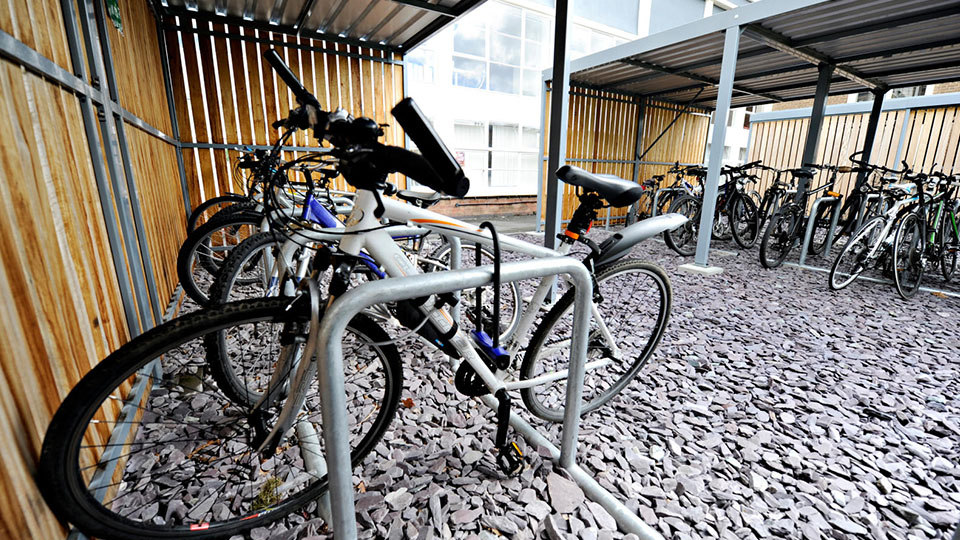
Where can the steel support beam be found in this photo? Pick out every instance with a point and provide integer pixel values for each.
(816, 122)
(872, 123)
(441, 22)
(637, 163)
(540, 152)
(116, 130)
(685, 75)
(89, 115)
(427, 6)
(731, 44)
(305, 14)
(782, 43)
(559, 100)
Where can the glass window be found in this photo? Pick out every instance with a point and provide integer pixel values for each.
(531, 54)
(470, 38)
(504, 135)
(531, 137)
(505, 19)
(504, 49)
(504, 78)
(470, 135)
(538, 28)
(469, 73)
(531, 82)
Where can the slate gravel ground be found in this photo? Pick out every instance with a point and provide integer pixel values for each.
(773, 408)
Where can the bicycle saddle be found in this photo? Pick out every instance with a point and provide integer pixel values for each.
(801, 173)
(617, 191)
(423, 199)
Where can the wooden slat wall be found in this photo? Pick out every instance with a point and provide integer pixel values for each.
(932, 139)
(603, 125)
(226, 93)
(63, 312)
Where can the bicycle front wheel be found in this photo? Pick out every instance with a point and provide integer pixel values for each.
(949, 244)
(852, 260)
(635, 309)
(744, 221)
(147, 446)
(780, 236)
(908, 245)
(203, 252)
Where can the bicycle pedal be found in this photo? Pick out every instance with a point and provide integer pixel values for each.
(510, 459)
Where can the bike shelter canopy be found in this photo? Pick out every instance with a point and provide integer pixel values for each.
(775, 51)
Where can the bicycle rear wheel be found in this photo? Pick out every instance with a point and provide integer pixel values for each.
(635, 309)
(203, 252)
(908, 246)
(147, 446)
(780, 236)
(683, 239)
(211, 207)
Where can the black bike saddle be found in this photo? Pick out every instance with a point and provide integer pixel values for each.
(423, 199)
(617, 191)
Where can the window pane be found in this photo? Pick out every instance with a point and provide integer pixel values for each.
(469, 73)
(531, 139)
(470, 39)
(531, 54)
(537, 28)
(531, 82)
(475, 165)
(470, 135)
(504, 49)
(505, 19)
(504, 78)
(504, 135)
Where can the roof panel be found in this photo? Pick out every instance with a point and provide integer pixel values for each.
(394, 24)
(891, 42)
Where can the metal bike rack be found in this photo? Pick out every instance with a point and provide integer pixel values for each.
(656, 198)
(332, 389)
(808, 235)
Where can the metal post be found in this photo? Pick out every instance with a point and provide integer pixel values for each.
(559, 100)
(174, 123)
(816, 122)
(731, 44)
(903, 137)
(641, 111)
(99, 171)
(540, 158)
(116, 139)
(872, 123)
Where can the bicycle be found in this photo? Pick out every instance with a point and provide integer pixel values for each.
(732, 203)
(112, 451)
(920, 240)
(871, 245)
(788, 226)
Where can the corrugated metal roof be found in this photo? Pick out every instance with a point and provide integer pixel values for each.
(892, 43)
(397, 25)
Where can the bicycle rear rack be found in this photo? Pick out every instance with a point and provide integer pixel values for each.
(332, 390)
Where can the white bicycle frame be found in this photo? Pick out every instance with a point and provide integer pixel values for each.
(890, 216)
(365, 233)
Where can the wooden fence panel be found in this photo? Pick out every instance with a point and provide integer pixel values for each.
(40, 26)
(63, 311)
(230, 95)
(602, 138)
(931, 142)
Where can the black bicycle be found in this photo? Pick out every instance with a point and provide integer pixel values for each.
(788, 226)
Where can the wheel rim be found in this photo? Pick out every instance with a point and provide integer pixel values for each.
(852, 261)
(189, 462)
(641, 291)
(686, 233)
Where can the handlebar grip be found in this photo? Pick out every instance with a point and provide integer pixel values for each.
(419, 168)
(303, 96)
(438, 156)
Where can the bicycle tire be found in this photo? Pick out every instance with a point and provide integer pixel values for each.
(745, 222)
(907, 256)
(780, 236)
(247, 253)
(949, 243)
(510, 298)
(872, 226)
(547, 401)
(683, 239)
(821, 229)
(228, 199)
(180, 405)
(197, 256)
